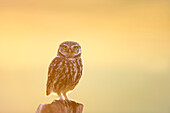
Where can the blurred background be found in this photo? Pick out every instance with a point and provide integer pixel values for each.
(126, 53)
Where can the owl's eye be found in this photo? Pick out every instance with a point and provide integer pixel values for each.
(64, 47)
(75, 47)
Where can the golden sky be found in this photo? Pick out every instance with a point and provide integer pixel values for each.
(126, 53)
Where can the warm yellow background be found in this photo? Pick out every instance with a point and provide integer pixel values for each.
(126, 53)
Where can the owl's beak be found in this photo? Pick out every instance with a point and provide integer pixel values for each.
(69, 50)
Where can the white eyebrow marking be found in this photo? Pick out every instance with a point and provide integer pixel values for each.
(65, 45)
(75, 45)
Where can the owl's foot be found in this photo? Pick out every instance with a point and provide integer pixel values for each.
(65, 96)
(60, 96)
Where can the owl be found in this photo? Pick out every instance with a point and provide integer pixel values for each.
(65, 70)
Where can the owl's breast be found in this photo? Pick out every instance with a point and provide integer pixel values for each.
(73, 70)
(67, 74)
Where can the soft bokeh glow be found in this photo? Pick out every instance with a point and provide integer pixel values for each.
(126, 53)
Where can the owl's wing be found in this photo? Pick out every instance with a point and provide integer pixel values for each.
(51, 74)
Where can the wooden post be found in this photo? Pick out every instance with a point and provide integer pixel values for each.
(60, 106)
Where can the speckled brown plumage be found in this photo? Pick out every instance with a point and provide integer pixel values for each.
(65, 69)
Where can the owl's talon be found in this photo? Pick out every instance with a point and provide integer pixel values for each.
(60, 96)
(61, 99)
(66, 97)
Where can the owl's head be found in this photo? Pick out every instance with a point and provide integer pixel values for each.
(69, 49)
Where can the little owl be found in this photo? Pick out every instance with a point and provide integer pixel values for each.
(65, 69)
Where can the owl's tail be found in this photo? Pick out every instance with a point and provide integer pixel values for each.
(48, 90)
